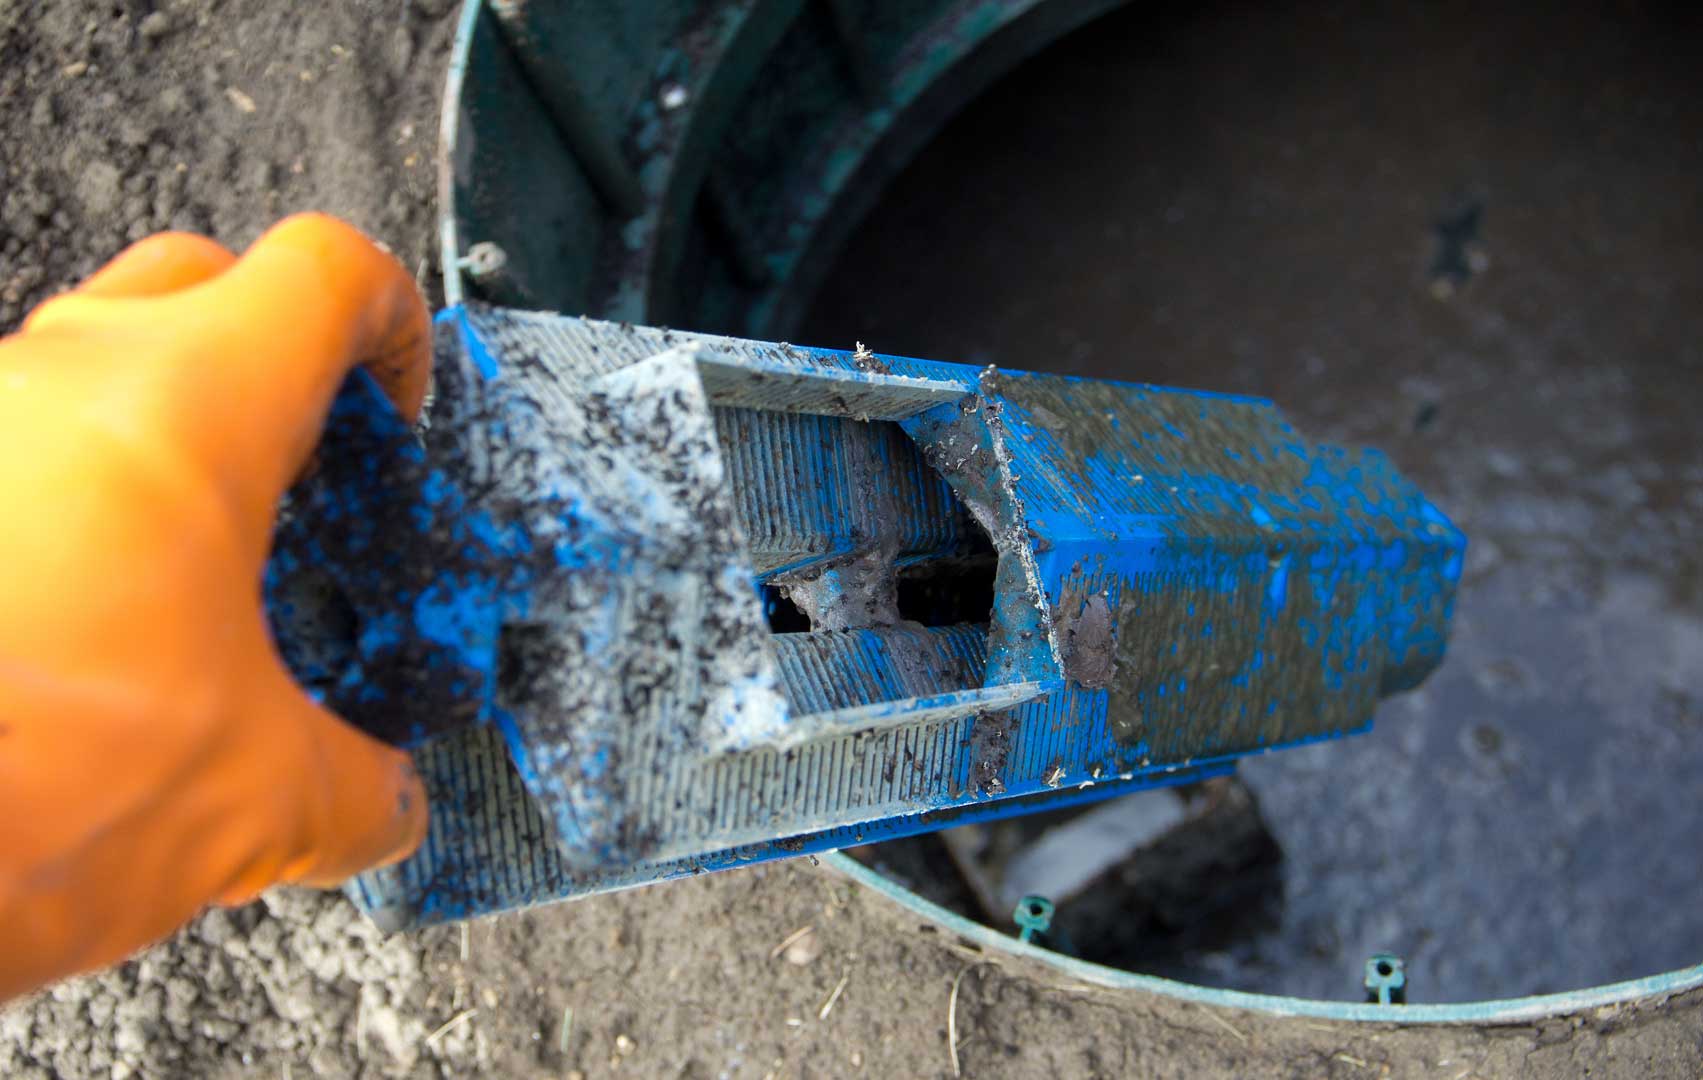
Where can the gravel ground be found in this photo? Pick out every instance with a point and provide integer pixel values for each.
(121, 118)
(128, 117)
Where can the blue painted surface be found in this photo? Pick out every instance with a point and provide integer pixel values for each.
(528, 885)
(1180, 579)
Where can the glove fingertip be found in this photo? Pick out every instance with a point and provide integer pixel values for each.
(369, 805)
(157, 265)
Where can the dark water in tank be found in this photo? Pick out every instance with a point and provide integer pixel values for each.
(1474, 239)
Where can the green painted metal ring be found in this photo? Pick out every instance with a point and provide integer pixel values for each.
(1502, 1011)
(739, 145)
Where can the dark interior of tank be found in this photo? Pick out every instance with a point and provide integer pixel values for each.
(1472, 237)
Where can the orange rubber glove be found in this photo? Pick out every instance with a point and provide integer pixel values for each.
(155, 755)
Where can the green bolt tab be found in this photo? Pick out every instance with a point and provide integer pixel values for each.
(1035, 915)
(1386, 979)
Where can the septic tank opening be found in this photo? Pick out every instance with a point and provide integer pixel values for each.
(1173, 200)
(1251, 200)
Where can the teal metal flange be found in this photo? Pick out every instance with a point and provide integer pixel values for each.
(1033, 915)
(1500, 1011)
(1386, 979)
(700, 165)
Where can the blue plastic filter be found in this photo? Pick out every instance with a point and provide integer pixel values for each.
(647, 604)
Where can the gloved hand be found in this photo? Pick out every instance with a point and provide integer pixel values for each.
(155, 755)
